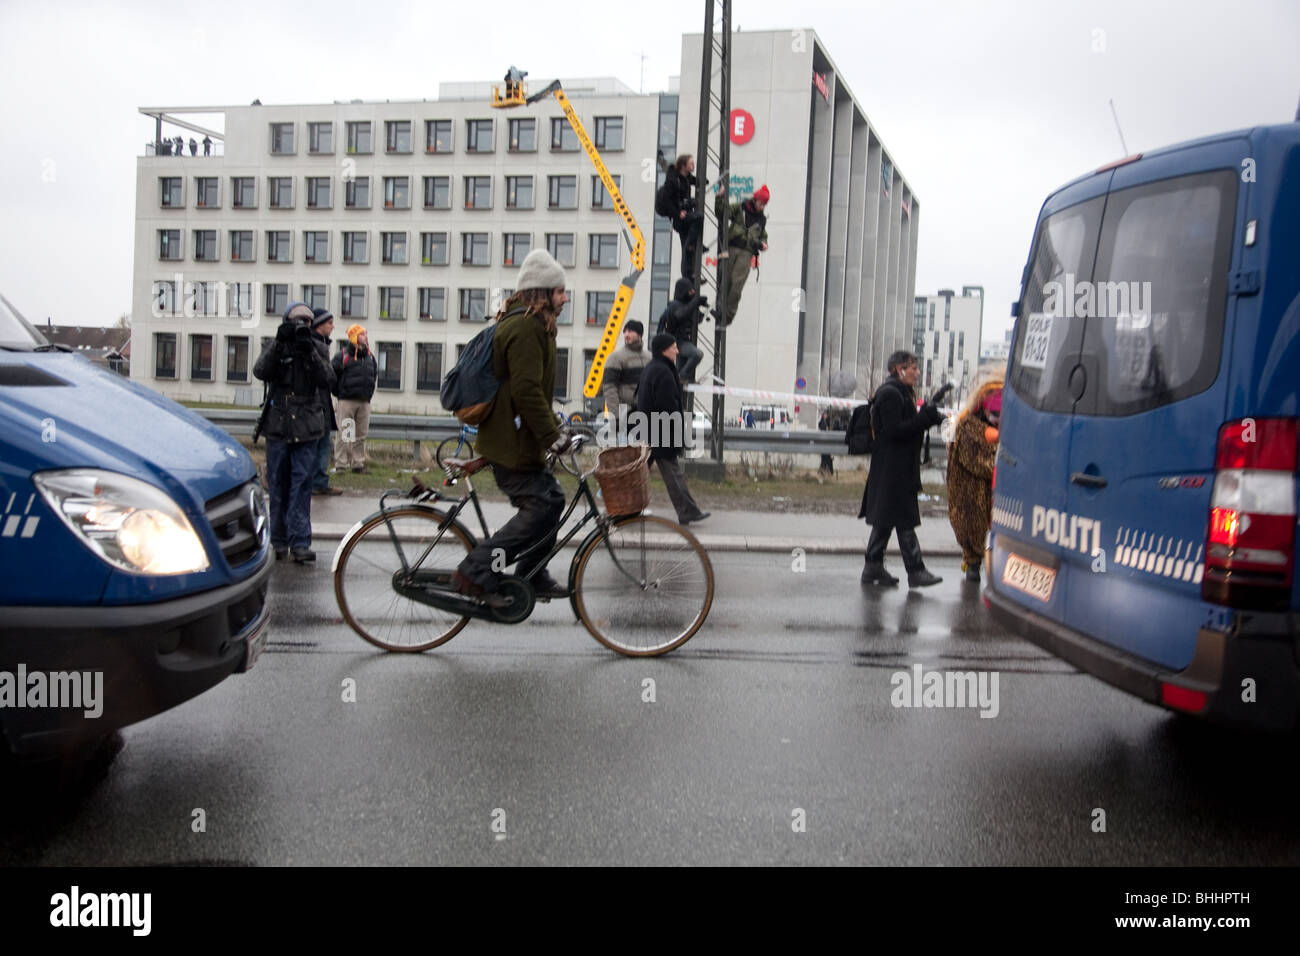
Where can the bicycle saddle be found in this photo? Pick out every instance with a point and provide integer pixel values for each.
(465, 466)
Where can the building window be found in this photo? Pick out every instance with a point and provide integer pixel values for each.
(355, 249)
(961, 345)
(394, 248)
(389, 357)
(244, 190)
(599, 305)
(205, 245)
(320, 138)
(316, 296)
(523, 136)
(277, 297)
(563, 138)
(239, 298)
(359, 137)
(945, 320)
(318, 192)
(562, 374)
(169, 244)
(604, 250)
(566, 312)
(433, 248)
(600, 197)
(279, 246)
(428, 367)
(947, 310)
(171, 189)
(517, 245)
(519, 192)
(609, 132)
(478, 136)
(437, 136)
(433, 304)
(561, 246)
(397, 136)
(931, 329)
(241, 245)
(951, 347)
(474, 248)
(206, 192)
(392, 302)
(356, 194)
(397, 192)
(437, 192)
(206, 298)
(316, 246)
(352, 301)
(478, 192)
(473, 305)
(201, 358)
(563, 192)
(282, 139)
(236, 358)
(935, 350)
(164, 355)
(164, 294)
(281, 189)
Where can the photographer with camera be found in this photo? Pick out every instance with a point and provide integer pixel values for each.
(673, 201)
(293, 420)
(746, 238)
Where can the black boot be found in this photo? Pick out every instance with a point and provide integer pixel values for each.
(973, 573)
(917, 575)
(874, 573)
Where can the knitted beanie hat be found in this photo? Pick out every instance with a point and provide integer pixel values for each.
(354, 333)
(540, 271)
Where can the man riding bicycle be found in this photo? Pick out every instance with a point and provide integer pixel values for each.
(519, 432)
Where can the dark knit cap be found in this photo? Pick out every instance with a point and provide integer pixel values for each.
(662, 342)
(320, 316)
(633, 325)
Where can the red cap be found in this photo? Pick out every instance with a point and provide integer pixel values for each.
(762, 195)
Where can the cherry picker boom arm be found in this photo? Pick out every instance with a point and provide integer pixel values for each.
(631, 235)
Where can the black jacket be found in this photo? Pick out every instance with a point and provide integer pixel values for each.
(678, 190)
(660, 391)
(683, 312)
(323, 347)
(295, 374)
(355, 373)
(895, 477)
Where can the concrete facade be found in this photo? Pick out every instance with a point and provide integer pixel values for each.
(946, 336)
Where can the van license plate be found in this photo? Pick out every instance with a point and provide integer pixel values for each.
(1034, 579)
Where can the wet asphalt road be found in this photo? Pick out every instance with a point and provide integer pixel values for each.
(782, 704)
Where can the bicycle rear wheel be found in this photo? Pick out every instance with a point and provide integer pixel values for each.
(454, 447)
(369, 563)
(644, 587)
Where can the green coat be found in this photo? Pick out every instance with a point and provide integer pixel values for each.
(751, 238)
(523, 360)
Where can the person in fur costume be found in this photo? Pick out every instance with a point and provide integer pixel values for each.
(970, 473)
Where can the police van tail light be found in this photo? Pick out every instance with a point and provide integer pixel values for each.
(1250, 545)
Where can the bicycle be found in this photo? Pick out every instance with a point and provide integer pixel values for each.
(642, 585)
(456, 446)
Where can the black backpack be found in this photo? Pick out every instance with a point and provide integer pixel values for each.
(665, 201)
(858, 435)
(470, 388)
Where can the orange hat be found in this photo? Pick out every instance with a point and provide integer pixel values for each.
(354, 332)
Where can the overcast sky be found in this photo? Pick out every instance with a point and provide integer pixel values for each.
(984, 106)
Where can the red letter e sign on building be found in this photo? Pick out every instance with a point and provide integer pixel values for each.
(742, 127)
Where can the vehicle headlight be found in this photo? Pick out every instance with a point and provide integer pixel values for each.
(131, 524)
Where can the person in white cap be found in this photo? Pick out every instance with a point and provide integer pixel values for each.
(520, 430)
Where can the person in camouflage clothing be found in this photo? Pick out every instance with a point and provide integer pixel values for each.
(970, 474)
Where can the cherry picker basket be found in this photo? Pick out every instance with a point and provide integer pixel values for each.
(624, 478)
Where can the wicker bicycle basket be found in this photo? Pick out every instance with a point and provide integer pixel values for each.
(624, 478)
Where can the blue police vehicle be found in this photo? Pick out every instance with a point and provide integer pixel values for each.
(1145, 498)
(133, 545)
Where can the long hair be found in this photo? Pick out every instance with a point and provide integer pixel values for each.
(533, 302)
(680, 164)
(977, 397)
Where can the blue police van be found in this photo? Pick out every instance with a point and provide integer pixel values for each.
(1145, 497)
(133, 543)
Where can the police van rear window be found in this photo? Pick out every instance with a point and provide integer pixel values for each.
(1160, 292)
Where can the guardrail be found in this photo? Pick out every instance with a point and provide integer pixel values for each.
(425, 428)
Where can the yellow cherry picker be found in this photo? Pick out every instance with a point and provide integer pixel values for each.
(516, 94)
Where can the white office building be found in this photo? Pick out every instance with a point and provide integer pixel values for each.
(946, 337)
(411, 218)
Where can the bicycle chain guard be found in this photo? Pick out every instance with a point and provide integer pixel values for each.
(434, 588)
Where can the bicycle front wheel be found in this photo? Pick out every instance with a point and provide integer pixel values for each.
(370, 563)
(453, 447)
(644, 587)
